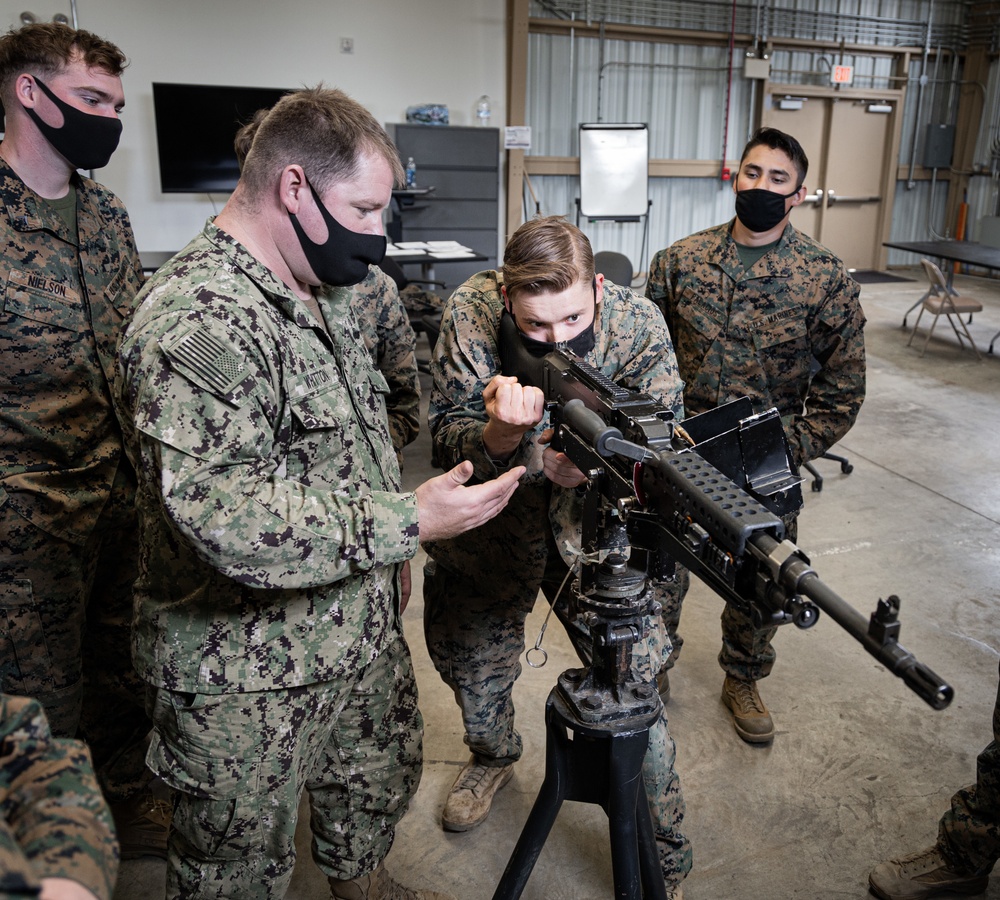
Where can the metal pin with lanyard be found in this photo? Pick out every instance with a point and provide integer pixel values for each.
(538, 650)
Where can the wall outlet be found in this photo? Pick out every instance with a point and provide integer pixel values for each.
(346, 45)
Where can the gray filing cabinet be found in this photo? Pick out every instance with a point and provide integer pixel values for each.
(462, 164)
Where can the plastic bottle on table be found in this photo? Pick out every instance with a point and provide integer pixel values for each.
(483, 110)
(411, 173)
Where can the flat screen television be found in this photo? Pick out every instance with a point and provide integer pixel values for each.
(195, 128)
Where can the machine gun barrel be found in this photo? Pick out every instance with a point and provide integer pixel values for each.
(877, 634)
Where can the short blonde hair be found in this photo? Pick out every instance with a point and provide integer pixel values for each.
(546, 255)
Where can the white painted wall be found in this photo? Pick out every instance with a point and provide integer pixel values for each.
(405, 53)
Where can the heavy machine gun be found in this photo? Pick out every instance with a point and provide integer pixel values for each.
(709, 494)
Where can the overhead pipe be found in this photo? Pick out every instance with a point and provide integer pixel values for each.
(910, 182)
(724, 172)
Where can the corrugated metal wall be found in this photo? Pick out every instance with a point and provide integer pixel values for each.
(680, 91)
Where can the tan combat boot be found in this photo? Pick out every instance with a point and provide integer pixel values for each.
(472, 794)
(379, 885)
(750, 716)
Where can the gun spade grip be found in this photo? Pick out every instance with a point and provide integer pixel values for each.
(589, 425)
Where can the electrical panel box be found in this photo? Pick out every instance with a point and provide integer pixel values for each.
(939, 144)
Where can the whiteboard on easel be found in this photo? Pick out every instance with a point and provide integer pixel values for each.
(614, 170)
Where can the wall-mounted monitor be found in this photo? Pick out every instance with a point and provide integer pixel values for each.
(195, 128)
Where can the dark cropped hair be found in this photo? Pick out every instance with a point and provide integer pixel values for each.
(778, 140)
(46, 48)
(321, 129)
(546, 255)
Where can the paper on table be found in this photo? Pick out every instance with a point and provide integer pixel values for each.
(446, 245)
(452, 254)
(411, 245)
(396, 250)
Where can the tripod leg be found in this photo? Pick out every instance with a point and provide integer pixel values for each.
(653, 887)
(543, 813)
(633, 848)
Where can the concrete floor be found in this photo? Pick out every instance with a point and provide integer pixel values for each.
(860, 768)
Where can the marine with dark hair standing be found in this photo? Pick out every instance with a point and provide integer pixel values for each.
(758, 309)
(68, 542)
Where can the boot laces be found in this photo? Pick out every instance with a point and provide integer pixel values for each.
(748, 698)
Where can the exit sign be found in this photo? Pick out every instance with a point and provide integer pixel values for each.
(842, 74)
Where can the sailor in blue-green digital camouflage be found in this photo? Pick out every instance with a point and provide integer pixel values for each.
(479, 587)
(385, 328)
(56, 830)
(758, 309)
(388, 335)
(68, 537)
(274, 531)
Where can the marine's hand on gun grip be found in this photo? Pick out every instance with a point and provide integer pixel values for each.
(557, 466)
(446, 507)
(513, 408)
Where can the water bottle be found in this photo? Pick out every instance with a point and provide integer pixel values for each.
(483, 110)
(411, 173)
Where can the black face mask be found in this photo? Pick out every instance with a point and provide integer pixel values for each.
(581, 344)
(761, 210)
(86, 140)
(344, 257)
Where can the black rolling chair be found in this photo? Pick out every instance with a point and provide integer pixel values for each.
(395, 271)
(817, 482)
(845, 465)
(616, 267)
(420, 302)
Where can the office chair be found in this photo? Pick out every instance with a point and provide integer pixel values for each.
(845, 465)
(395, 271)
(616, 267)
(941, 302)
(817, 482)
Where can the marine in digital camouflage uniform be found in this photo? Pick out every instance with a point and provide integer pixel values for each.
(389, 336)
(480, 587)
(68, 541)
(780, 324)
(273, 528)
(968, 842)
(55, 822)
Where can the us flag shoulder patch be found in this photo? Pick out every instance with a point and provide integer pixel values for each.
(211, 359)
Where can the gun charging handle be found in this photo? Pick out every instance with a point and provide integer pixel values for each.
(605, 439)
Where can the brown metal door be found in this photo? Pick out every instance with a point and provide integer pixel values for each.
(847, 143)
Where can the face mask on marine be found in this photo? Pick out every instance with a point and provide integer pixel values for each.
(580, 344)
(86, 140)
(760, 210)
